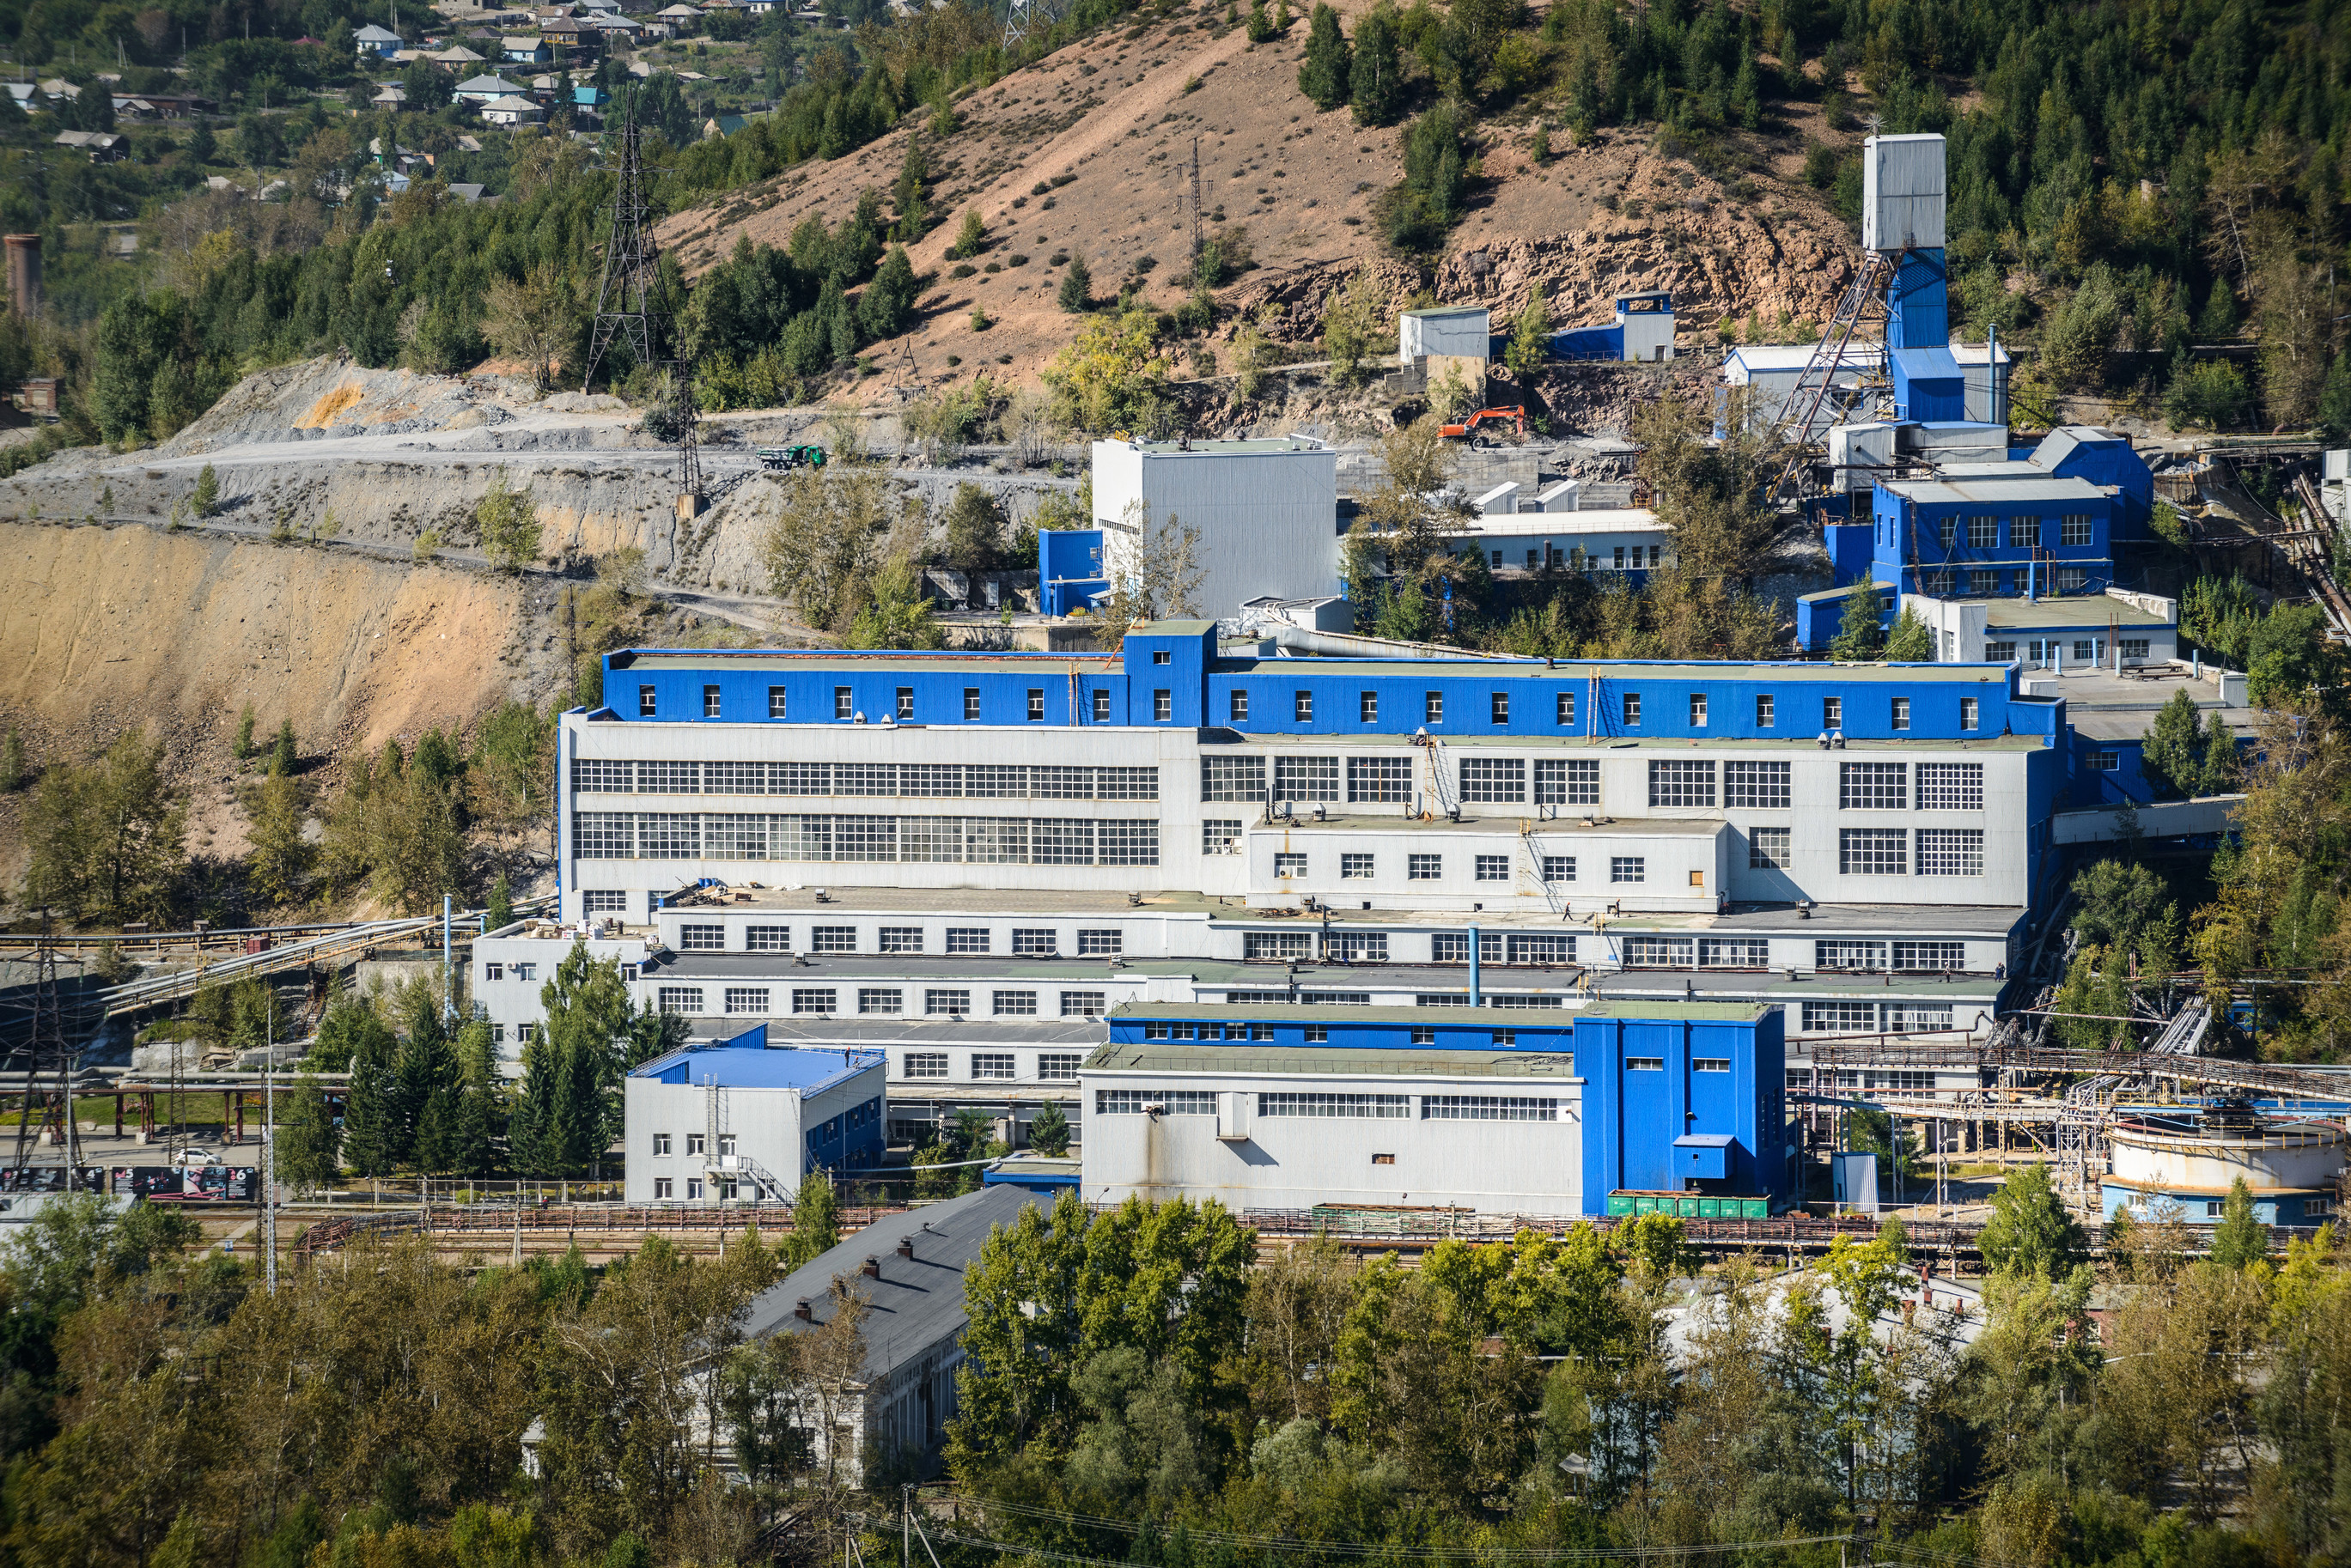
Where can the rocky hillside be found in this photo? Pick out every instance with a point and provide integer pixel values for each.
(1107, 127)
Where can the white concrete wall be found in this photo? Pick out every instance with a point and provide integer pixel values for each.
(1268, 520)
(1467, 330)
(1648, 335)
(1295, 1162)
(765, 1124)
(1669, 862)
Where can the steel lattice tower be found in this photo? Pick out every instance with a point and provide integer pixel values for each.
(628, 301)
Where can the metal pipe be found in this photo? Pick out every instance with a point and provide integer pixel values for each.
(1476, 943)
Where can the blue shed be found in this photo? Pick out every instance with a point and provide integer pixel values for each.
(1684, 1096)
(1069, 573)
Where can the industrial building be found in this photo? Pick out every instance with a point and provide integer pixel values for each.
(1641, 334)
(1482, 1108)
(1265, 511)
(2184, 1163)
(717, 1117)
(1604, 539)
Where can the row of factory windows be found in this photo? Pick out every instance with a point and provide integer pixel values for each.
(947, 781)
(1983, 582)
(2074, 529)
(872, 1000)
(663, 1145)
(1575, 558)
(1575, 781)
(1027, 941)
(1564, 708)
(1861, 852)
(967, 840)
(2043, 651)
(1335, 1103)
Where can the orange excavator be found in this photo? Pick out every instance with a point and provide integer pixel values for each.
(1468, 428)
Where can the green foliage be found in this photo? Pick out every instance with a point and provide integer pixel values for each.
(970, 239)
(1530, 346)
(1049, 1130)
(207, 496)
(1418, 213)
(508, 520)
(2180, 759)
(1323, 76)
(1077, 291)
(106, 840)
(898, 614)
(242, 747)
(2208, 394)
(1858, 636)
(567, 1110)
(1375, 84)
(1910, 641)
(2240, 1240)
(2030, 1232)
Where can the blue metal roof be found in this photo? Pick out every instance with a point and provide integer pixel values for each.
(748, 1062)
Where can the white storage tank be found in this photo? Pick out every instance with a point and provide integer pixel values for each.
(2292, 1167)
(1902, 193)
(1445, 329)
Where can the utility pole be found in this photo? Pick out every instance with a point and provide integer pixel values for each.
(448, 990)
(269, 1138)
(629, 305)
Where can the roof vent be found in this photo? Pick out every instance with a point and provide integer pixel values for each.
(906, 1246)
(873, 1269)
(804, 1310)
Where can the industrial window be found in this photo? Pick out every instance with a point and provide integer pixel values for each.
(1488, 1108)
(750, 999)
(1301, 707)
(1126, 843)
(882, 999)
(1841, 1017)
(603, 835)
(1756, 787)
(903, 706)
(1385, 781)
(1541, 947)
(1493, 779)
(1872, 786)
(1060, 841)
(525, 972)
(1432, 707)
(603, 778)
(865, 778)
(1506, 1037)
(1950, 852)
(494, 971)
(702, 939)
(645, 702)
(1983, 533)
(1709, 1063)
(1969, 708)
(1265, 945)
(679, 999)
(1163, 705)
(1908, 1015)
(1950, 786)
(1500, 705)
(669, 835)
(668, 778)
(1081, 1003)
(1033, 941)
(1036, 704)
(1767, 849)
(1443, 998)
(1059, 1067)
(1901, 712)
(2089, 650)
(1424, 1036)
(1628, 868)
(2105, 762)
(1356, 946)
(1355, 867)
(1940, 957)
(1849, 955)
(1239, 706)
(1982, 581)
(1493, 869)
(971, 704)
(660, 1142)
(1453, 946)
(1014, 1004)
(1100, 944)
(1873, 851)
(991, 1065)
(1569, 782)
(2072, 579)
(966, 939)
(1559, 867)
(2135, 648)
(1172, 1102)
(1564, 708)
(734, 778)
(1061, 784)
(1766, 715)
(1220, 835)
(1367, 707)
(1126, 784)
(1232, 778)
(1644, 1064)
(832, 938)
(662, 1186)
(1947, 530)
(1832, 713)
(1317, 1035)
(1290, 863)
(800, 778)
(1698, 709)
(604, 901)
(1322, 1104)
(1681, 783)
(1632, 707)
(1423, 867)
(1660, 952)
(927, 1064)
(1102, 705)
(1162, 656)
(2073, 528)
(1306, 778)
(1733, 952)
(843, 707)
(900, 940)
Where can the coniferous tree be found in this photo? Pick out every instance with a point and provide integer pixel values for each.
(1375, 68)
(1858, 635)
(2240, 1240)
(473, 1142)
(307, 1140)
(1323, 77)
(888, 302)
(424, 1074)
(1077, 285)
(371, 1112)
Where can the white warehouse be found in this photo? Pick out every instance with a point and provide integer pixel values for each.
(1267, 512)
(720, 1114)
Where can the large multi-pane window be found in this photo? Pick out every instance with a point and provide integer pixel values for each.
(669, 835)
(1768, 850)
(1872, 786)
(1084, 1003)
(1950, 786)
(767, 939)
(1423, 867)
(1493, 869)
(1681, 783)
(901, 940)
(1493, 779)
(1937, 956)
(927, 1064)
(1306, 778)
(1873, 852)
(1232, 778)
(1014, 1004)
(832, 938)
(1453, 946)
(591, 777)
(1628, 868)
(1756, 787)
(1258, 946)
(749, 999)
(1220, 835)
(1488, 1108)
(1660, 952)
(881, 999)
(1983, 533)
(1950, 852)
(818, 1000)
(1734, 952)
(1380, 781)
(1059, 1067)
(1567, 781)
(1849, 955)
(1034, 942)
(1356, 946)
(1541, 947)
(1841, 1018)
(1324, 1103)
(1100, 943)
(2074, 528)
(679, 998)
(966, 939)
(1170, 1102)
(1559, 867)
(946, 1003)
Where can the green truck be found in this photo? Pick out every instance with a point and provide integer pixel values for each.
(784, 459)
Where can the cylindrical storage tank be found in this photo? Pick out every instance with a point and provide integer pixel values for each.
(2291, 1167)
(1902, 193)
(25, 275)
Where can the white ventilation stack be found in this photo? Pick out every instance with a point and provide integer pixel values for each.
(1903, 193)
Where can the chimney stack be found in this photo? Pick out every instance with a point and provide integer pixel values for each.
(804, 1311)
(906, 1246)
(25, 275)
(872, 1270)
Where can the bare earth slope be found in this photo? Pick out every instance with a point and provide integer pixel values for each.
(1112, 114)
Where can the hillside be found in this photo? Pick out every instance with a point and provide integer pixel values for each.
(1111, 115)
